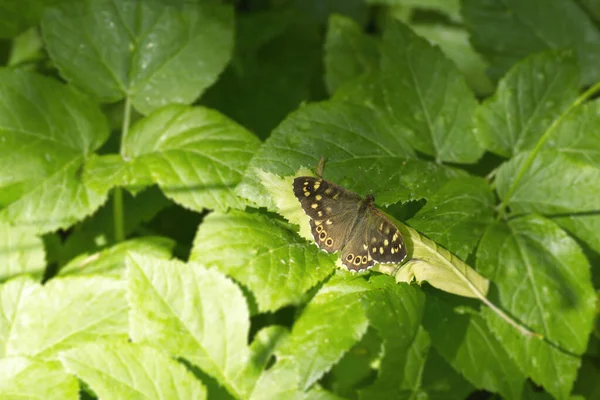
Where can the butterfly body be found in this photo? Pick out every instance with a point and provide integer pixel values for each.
(341, 220)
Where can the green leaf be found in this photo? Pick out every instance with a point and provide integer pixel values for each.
(62, 314)
(23, 378)
(527, 101)
(111, 261)
(12, 294)
(457, 215)
(194, 313)
(363, 154)
(21, 252)
(455, 44)
(450, 8)
(543, 280)
(465, 342)
(441, 381)
(431, 263)
(329, 326)
(196, 155)
(263, 254)
(577, 135)
(538, 191)
(121, 370)
(508, 30)
(154, 52)
(349, 52)
(395, 310)
(428, 97)
(47, 131)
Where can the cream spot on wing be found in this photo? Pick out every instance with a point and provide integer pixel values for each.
(328, 209)
(328, 191)
(381, 250)
(314, 205)
(381, 226)
(318, 197)
(328, 222)
(365, 246)
(373, 239)
(320, 213)
(387, 230)
(374, 250)
(386, 242)
(317, 184)
(307, 194)
(395, 237)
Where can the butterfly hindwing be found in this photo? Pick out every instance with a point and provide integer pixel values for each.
(385, 241)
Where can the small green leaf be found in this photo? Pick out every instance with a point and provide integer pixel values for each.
(111, 261)
(349, 52)
(527, 101)
(121, 370)
(466, 343)
(196, 155)
(194, 313)
(428, 97)
(508, 30)
(543, 280)
(441, 381)
(21, 252)
(64, 313)
(47, 131)
(329, 326)
(155, 52)
(457, 215)
(23, 378)
(263, 254)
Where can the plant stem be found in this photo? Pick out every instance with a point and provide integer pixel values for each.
(118, 209)
(531, 157)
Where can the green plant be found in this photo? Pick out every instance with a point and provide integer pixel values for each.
(151, 245)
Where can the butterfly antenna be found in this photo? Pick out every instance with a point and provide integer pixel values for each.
(320, 167)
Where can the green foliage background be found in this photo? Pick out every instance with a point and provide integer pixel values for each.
(151, 246)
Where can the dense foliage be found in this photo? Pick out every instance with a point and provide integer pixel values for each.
(151, 246)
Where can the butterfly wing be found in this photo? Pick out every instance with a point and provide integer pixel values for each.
(331, 208)
(374, 239)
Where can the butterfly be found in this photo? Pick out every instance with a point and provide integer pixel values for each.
(342, 220)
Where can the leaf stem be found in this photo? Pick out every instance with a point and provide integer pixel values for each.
(118, 209)
(119, 225)
(531, 157)
(492, 306)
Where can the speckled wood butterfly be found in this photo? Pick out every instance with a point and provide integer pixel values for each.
(342, 220)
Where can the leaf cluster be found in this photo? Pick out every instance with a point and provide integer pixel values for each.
(151, 245)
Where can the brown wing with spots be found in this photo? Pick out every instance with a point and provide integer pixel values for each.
(331, 208)
(386, 244)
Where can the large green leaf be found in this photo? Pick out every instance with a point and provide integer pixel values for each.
(463, 339)
(18, 15)
(197, 156)
(24, 378)
(457, 215)
(395, 311)
(329, 326)
(263, 254)
(554, 183)
(349, 52)
(122, 370)
(200, 315)
(353, 139)
(427, 97)
(64, 313)
(527, 101)
(154, 52)
(21, 252)
(508, 30)
(47, 130)
(543, 280)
